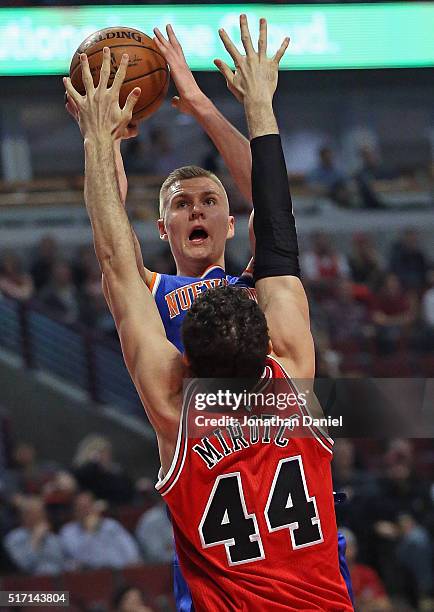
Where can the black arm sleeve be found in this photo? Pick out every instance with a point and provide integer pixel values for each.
(276, 251)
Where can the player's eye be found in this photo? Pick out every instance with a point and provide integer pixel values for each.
(210, 201)
(181, 204)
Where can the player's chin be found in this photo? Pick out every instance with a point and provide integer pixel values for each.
(200, 253)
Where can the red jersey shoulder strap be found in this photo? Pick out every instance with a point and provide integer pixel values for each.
(166, 481)
(318, 433)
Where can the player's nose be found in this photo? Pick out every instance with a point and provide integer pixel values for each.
(196, 210)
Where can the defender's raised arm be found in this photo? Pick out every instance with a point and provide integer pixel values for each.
(280, 292)
(148, 354)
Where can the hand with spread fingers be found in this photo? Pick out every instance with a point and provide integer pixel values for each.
(255, 76)
(189, 91)
(130, 131)
(98, 111)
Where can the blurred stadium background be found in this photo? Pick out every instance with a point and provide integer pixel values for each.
(77, 457)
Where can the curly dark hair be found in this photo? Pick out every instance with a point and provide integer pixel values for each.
(225, 335)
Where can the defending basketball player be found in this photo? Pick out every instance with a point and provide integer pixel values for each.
(240, 545)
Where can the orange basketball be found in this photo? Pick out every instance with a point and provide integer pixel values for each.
(147, 68)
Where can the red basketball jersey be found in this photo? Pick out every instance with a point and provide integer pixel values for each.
(253, 514)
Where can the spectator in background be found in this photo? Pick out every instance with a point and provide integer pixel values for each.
(408, 261)
(61, 487)
(394, 310)
(43, 261)
(33, 547)
(96, 471)
(359, 485)
(326, 180)
(414, 552)
(370, 171)
(163, 262)
(323, 264)
(83, 265)
(346, 476)
(26, 471)
(154, 534)
(15, 283)
(92, 541)
(328, 361)
(365, 262)
(129, 599)
(94, 311)
(369, 592)
(60, 296)
(59, 493)
(401, 481)
(8, 486)
(401, 491)
(347, 319)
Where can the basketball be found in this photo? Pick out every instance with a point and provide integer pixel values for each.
(147, 68)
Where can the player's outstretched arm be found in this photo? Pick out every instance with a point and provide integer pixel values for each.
(232, 145)
(148, 354)
(130, 131)
(280, 292)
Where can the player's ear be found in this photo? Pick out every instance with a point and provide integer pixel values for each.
(231, 227)
(162, 229)
(185, 360)
(270, 347)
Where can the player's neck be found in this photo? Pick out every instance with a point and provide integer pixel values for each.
(196, 269)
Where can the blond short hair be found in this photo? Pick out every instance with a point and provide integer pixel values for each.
(182, 174)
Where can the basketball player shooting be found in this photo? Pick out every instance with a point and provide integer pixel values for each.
(239, 543)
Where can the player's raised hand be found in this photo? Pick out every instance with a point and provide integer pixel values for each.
(99, 113)
(189, 91)
(130, 131)
(255, 75)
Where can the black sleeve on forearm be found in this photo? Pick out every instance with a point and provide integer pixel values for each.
(276, 252)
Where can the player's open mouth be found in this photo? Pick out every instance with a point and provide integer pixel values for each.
(198, 235)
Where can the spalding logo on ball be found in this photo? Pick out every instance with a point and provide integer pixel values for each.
(147, 68)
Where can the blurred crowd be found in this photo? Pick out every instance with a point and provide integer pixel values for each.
(68, 289)
(359, 189)
(322, 172)
(91, 514)
(367, 307)
(388, 521)
(87, 515)
(364, 304)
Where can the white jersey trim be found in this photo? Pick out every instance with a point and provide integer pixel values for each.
(161, 478)
(156, 284)
(208, 270)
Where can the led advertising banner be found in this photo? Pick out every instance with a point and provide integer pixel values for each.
(42, 40)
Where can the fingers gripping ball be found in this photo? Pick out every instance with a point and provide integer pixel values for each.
(147, 68)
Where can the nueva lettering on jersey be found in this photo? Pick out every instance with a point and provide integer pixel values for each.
(181, 299)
